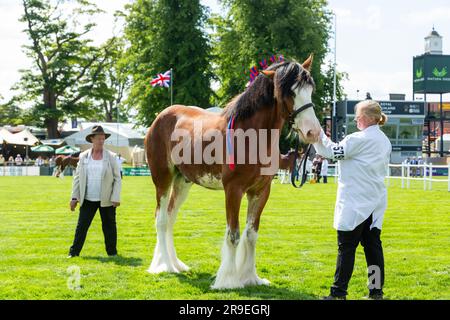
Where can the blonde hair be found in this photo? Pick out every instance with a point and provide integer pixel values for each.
(372, 110)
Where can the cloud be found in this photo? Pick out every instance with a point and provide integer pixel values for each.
(370, 19)
(430, 16)
(369, 81)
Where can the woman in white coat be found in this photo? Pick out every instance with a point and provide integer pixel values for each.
(363, 158)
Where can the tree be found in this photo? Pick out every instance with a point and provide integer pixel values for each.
(65, 64)
(255, 30)
(10, 114)
(166, 34)
(112, 84)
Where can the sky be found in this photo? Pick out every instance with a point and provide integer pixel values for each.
(376, 41)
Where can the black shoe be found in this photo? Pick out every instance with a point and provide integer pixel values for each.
(330, 297)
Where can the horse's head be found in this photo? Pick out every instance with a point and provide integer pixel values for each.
(294, 86)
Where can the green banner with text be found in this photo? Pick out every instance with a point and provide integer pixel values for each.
(431, 74)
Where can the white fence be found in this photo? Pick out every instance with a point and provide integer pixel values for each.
(19, 171)
(405, 172)
(422, 172)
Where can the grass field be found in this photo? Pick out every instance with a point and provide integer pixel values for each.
(296, 248)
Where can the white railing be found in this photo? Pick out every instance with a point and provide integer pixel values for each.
(418, 172)
(19, 170)
(408, 173)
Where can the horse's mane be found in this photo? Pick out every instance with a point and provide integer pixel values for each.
(261, 92)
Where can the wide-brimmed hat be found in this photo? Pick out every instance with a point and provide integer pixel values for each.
(96, 130)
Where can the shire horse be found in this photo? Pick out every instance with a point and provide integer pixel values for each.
(281, 93)
(61, 162)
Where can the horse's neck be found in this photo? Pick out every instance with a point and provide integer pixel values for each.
(267, 118)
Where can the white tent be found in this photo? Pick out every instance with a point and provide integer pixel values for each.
(19, 138)
(5, 135)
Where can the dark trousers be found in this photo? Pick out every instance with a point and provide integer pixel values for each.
(325, 179)
(348, 242)
(87, 213)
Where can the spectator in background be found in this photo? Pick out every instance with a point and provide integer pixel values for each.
(2, 160)
(39, 161)
(420, 164)
(413, 165)
(18, 160)
(317, 165)
(51, 162)
(120, 160)
(10, 161)
(27, 160)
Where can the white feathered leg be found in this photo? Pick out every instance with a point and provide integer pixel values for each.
(245, 258)
(179, 193)
(161, 260)
(227, 276)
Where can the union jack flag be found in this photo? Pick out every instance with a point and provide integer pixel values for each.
(162, 80)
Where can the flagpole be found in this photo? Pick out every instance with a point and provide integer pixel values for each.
(171, 86)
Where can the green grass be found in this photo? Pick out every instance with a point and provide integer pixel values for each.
(296, 248)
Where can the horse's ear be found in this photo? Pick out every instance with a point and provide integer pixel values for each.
(308, 62)
(268, 73)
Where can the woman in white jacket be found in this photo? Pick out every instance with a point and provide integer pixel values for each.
(361, 200)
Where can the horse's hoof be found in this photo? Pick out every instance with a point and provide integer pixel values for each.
(162, 268)
(230, 283)
(181, 267)
(255, 281)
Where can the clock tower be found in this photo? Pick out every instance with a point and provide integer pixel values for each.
(433, 43)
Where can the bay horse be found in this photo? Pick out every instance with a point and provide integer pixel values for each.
(287, 164)
(287, 160)
(62, 162)
(280, 93)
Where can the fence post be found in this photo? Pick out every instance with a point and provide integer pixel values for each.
(403, 175)
(408, 174)
(430, 179)
(424, 177)
(448, 176)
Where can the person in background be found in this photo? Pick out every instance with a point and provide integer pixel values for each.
(413, 166)
(120, 160)
(96, 186)
(361, 201)
(2, 160)
(10, 161)
(324, 170)
(52, 162)
(317, 166)
(39, 162)
(27, 160)
(18, 160)
(420, 166)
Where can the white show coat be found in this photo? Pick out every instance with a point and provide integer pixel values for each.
(363, 161)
